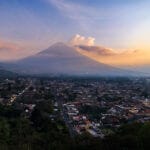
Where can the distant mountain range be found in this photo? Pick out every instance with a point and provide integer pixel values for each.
(62, 59)
(5, 73)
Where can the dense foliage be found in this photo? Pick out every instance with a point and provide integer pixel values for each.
(39, 132)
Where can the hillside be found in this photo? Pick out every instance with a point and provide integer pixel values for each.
(61, 59)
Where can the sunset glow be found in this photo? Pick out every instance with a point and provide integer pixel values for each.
(123, 26)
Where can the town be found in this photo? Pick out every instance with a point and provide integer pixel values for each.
(97, 106)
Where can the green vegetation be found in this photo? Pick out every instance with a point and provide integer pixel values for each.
(35, 133)
(129, 137)
(40, 132)
(92, 111)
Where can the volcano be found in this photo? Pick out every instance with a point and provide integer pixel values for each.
(63, 59)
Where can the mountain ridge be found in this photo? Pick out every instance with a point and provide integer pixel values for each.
(61, 58)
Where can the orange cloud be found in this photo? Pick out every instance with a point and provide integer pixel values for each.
(109, 56)
(7, 46)
(9, 51)
(86, 46)
(102, 51)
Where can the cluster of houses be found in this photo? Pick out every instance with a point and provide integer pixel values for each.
(114, 116)
(123, 102)
(80, 122)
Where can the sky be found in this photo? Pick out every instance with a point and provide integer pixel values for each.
(28, 26)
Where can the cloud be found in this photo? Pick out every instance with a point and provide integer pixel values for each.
(8, 46)
(70, 9)
(86, 46)
(79, 13)
(115, 57)
(9, 51)
(98, 50)
(81, 40)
